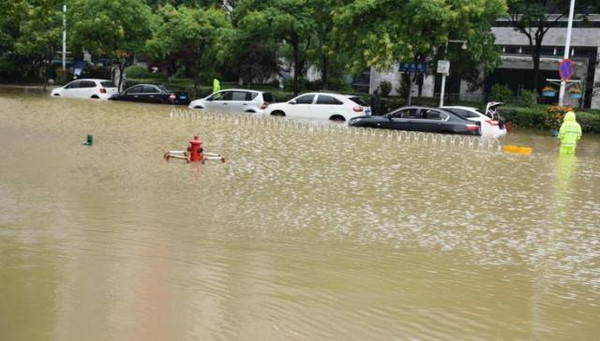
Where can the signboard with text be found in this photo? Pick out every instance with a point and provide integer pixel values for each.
(413, 67)
(443, 66)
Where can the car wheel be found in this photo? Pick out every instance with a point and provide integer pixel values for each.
(337, 118)
(198, 107)
(278, 113)
(94, 97)
(56, 95)
(250, 111)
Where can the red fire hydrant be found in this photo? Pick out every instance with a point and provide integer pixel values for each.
(196, 150)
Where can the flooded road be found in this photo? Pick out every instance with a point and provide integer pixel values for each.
(303, 234)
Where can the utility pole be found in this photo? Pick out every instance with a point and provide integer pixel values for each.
(64, 37)
(563, 82)
(444, 67)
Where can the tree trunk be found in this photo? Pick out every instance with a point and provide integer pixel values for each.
(297, 66)
(536, 66)
(121, 70)
(324, 75)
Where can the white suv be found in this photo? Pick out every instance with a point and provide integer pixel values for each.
(86, 88)
(321, 105)
(235, 100)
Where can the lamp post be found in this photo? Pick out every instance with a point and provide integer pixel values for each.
(444, 67)
(563, 82)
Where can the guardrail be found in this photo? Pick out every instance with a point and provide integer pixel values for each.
(442, 141)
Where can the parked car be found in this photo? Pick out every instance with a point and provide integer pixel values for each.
(321, 105)
(416, 118)
(151, 93)
(491, 124)
(86, 88)
(235, 101)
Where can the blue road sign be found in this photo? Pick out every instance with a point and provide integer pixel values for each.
(413, 67)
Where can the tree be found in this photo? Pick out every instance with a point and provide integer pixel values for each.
(114, 28)
(40, 33)
(289, 22)
(380, 33)
(534, 18)
(198, 36)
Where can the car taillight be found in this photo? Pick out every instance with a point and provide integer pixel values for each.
(472, 127)
(491, 122)
(172, 97)
(264, 106)
(102, 90)
(357, 109)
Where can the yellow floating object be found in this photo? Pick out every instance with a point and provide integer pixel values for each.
(517, 149)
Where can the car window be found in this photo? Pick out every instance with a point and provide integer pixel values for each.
(268, 97)
(463, 113)
(431, 114)
(358, 101)
(222, 96)
(150, 90)
(88, 84)
(406, 113)
(325, 99)
(238, 95)
(134, 90)
(108, 84)
(73, 85)
(306, 99)
(251, 95)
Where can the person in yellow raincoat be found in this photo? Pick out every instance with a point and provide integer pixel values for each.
(216, 85)
(569, 134)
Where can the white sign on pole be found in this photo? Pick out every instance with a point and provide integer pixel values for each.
(443, 66)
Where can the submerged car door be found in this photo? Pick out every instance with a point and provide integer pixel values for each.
(327, 106)
(132, 94)
(150, 94)
(239, 101)
(220, 101)
(302, 106)
(73, 89)
(403, 119)
(432, 121)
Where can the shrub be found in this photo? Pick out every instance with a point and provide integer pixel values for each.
(537, 117)
(384, 88)
(554, 116)
(501, 93)
(136, 71)
(528, 98)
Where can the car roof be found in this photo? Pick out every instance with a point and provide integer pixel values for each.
(459, 107)
(91, 79)
(249, 90)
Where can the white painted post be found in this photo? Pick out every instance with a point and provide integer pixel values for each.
(64, 38)
(443, 79)
(563, 83)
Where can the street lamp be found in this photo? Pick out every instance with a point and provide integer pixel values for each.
(444, 67)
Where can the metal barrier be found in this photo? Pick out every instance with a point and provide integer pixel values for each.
(327, 128)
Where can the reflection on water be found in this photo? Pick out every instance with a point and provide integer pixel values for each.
(302, 234)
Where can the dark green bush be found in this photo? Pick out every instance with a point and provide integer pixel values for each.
(136, 71)
(535, 117)
(528, 98)
(384, 88)
(501, 93)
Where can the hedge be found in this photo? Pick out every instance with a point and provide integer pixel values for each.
(535, 118)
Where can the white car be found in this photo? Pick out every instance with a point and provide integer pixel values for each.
(321, 105)
(86, 88)
(491, 125)
(235, 101)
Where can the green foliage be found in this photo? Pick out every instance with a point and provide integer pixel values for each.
(384, 88)
(501, 93)
(536, 117)
(117, 29)
(136, 71)
(528, 98)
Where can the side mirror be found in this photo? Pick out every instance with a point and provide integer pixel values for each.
(292, 102)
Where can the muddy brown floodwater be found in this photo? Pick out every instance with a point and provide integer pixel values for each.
(304, 233)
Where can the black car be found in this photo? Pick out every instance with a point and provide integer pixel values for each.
(416, 118)
(151, 93)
